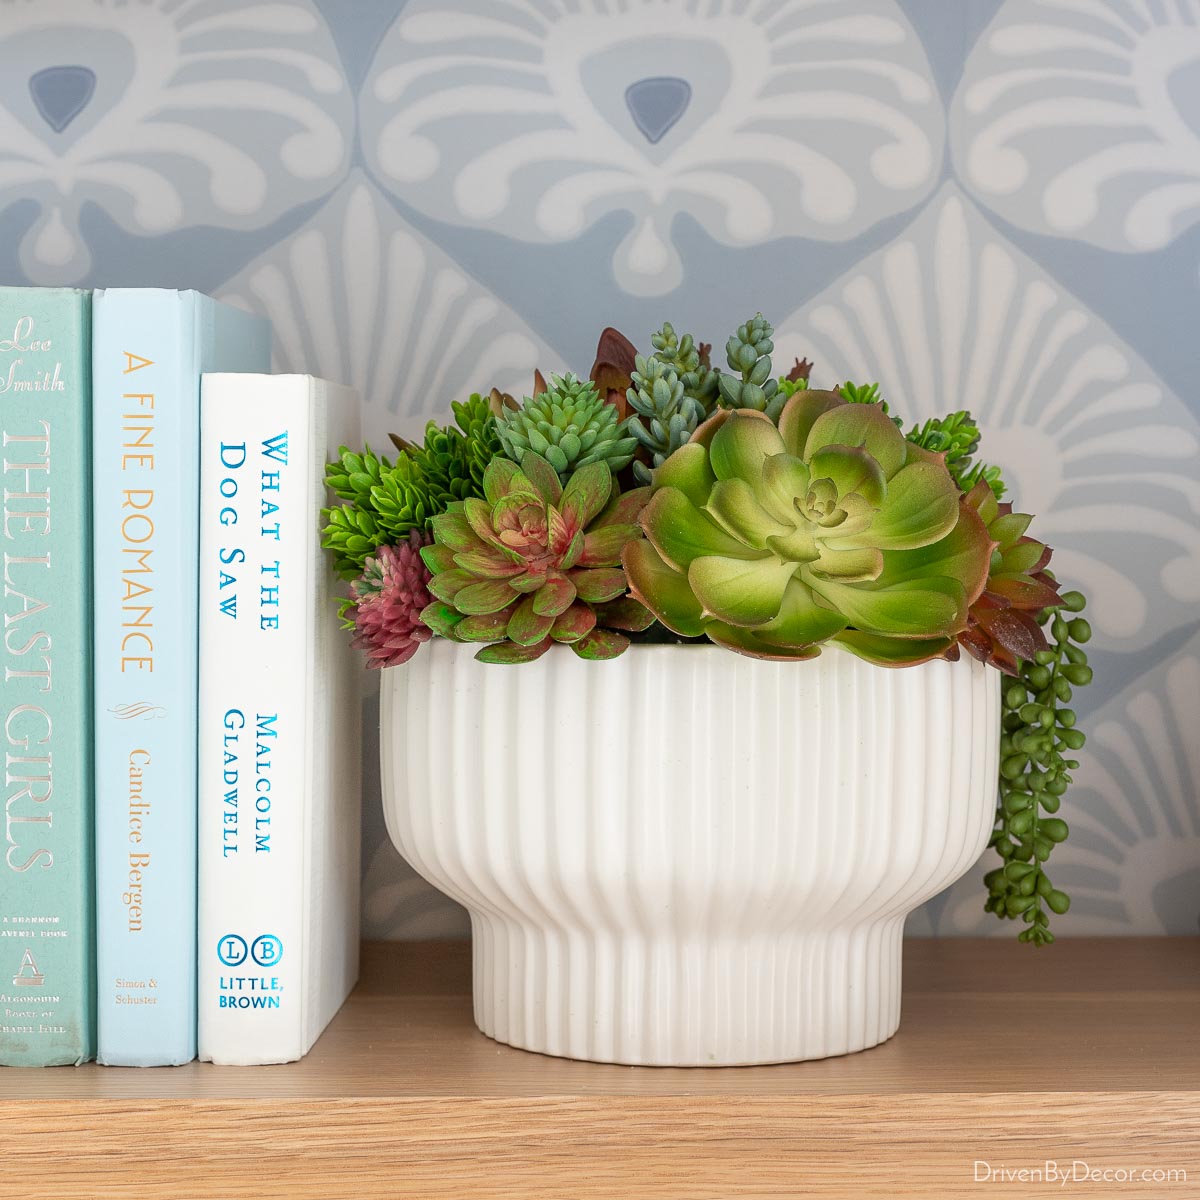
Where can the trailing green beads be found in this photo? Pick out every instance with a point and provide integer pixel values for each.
(1037, 733)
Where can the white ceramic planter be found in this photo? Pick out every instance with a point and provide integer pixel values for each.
(685, 856)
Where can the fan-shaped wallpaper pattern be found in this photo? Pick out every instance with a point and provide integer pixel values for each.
(993, 204)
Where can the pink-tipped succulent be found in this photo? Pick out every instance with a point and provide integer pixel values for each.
(389, 597)
(534, 563)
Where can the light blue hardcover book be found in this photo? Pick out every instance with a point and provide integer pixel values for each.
(47, 930)
(149, 348)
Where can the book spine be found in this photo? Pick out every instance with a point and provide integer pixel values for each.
(47, 937)
(146, 424)
(255, 652)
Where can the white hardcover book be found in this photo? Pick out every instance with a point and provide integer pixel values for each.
(280, 724)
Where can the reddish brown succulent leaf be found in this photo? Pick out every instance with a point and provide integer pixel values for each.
(802, 370)
(1003, 624)
(1022, 592)
(499, 402)
(1004, 637)
(613, 369)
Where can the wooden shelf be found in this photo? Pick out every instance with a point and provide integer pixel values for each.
(1088, 1051)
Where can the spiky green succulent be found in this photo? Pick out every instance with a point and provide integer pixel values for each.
(570, 425)
(382, 501)
(664, 415)
(956, 437)
(453, 457)
(532, 563)
(691, 364)
(748, 353)
(772, 539)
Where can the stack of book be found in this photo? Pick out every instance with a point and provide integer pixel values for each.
(180, 715)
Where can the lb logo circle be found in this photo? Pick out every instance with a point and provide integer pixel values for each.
(231, 950)
(267, 950)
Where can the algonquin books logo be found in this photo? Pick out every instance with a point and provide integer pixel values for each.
(28, 975)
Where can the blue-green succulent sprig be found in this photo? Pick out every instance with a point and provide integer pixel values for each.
(748, 353)
(664, 416)
(691, 364)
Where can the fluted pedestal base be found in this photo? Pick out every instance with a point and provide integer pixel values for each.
(685, 856)
(698, 1004)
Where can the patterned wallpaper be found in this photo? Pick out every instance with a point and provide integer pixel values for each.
(992, 203)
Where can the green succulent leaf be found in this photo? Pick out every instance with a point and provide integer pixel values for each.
(486, 596)
(541, 475)
(625, 613)
(687, 471)
(735, 506)
(599, 584)
(917, 608)
(753, 644)
(681, 532)
(554, 596)
(886, 651)
(587, 493)
(576, 622)
(801, 620)
(742, 444)
(738, 591)
(921, 506)
(663, 590)
(601, 644)
(800, 414)
(862, 426)
(489, 627)
(851, 469)
(441, 618)
(527, 626)
(512, 653)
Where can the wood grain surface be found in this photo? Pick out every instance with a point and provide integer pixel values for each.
(402, 1098)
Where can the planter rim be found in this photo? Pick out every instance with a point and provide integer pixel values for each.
(710, 648)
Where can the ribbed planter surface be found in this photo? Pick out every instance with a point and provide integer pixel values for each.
(685, 856)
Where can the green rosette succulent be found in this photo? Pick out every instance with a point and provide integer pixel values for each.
(773, 539)
(533, 562)
(570, 425)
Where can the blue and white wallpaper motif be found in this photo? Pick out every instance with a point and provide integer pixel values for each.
(982, 203)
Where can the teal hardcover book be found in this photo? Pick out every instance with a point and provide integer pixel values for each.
(149, 349)
(47, 938)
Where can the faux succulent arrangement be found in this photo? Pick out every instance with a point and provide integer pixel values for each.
(664, 498)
